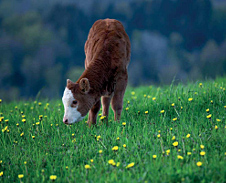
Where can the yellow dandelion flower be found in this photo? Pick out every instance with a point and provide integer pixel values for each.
(87, 167)
(174, 119)
(25, 162)
(124, 123)
(153, 98)
(180, 157)
(128, 102)
(218, 120)
(37, 123)
(208, 110)
(0, 100)
(216, 127)
(127, 108)
(181, 107)
(146, 112)
(102, 117)
(179, 150)
(188, 153)
(190, 99)
(200, 84)
(149, 96)
(1, 174)
(53, 177)
(24, 120)
(115, 148)
(111, 162)
(202, 153)
(202, 146)
(168, 151)
(118, 164)
(33, 137)
(66, 167)
(124, 145)
(91, 160)
(171, 129)
(73, 141)
(145, 95)
(225, 106)
(199, 163)
(173, 138)
(20, 176)
(22, 134)
(99, 114)
(130, 165)
(209, 116)
(23, 116)
(175, 144)
(158, 135)
(172, 104)
(72, 134)
(154, 156)
(162, 111)
(188, 135)
(118, 138)
(39, 103)
(100, 151)
(211, 101)
(133, 93)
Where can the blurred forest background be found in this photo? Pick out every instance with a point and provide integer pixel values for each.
(42, 42)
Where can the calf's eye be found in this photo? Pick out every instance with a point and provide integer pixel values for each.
(74, 102)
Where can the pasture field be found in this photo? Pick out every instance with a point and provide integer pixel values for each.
(166, 134)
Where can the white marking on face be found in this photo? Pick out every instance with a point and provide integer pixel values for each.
(70, 113)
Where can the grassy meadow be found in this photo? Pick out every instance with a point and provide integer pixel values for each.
(166, 134)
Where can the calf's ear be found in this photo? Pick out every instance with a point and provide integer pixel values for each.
(84, 85)
(70, 84)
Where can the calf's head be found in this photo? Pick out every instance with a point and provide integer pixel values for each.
(77, 101)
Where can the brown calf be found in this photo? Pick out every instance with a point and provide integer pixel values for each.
(105, 77)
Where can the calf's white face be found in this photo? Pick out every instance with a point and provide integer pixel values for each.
(71, 113)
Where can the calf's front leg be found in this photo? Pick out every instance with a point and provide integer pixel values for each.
(93, 113)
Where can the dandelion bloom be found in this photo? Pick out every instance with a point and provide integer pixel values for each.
(188, 153)
(100, 151)
(171, 130)
(22, 134)
(218, 120)
(190, 99)
(175, 144)
(124, 123)
(202, 146)
(199, 163)
(127, 108)
(172, 104)
(202, 153)
(209, 116)
(24, 120)
(1, 174)
(20, 176)
(115, 148)
(188, 135)
(145, 95)
(111, 162)
(153, 98)
(208, 110)
(118, 163)
(158, 135)
(216, 127)
(154, 156)
(87, 167)
(162, 111)
(53, 177)
(102, 117)
(91, 160)
(124, 145)
(130, 165)
(174, 119)
(180, 157)
(168, 151)
(118, 138)
(133, 93)
(200, 84)
(146, 112)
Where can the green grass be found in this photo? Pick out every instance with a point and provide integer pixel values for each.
(55, 151)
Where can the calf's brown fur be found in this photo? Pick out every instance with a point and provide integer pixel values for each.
(105, 77)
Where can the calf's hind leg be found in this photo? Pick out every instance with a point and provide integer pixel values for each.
(93, 113)
(117, 99)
